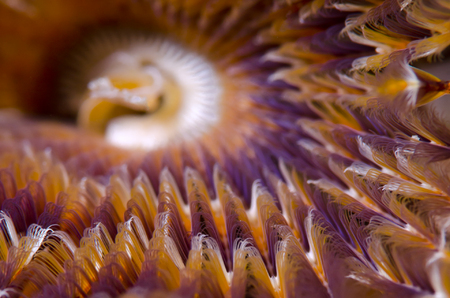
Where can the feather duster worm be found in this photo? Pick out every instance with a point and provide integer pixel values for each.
(261, 148)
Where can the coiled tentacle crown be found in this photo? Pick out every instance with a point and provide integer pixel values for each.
(192, 148)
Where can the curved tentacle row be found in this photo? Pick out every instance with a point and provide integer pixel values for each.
(259, 148)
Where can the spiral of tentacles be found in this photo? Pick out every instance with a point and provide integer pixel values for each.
(260, 148)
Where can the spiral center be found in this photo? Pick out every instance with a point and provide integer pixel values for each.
(148, 93)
